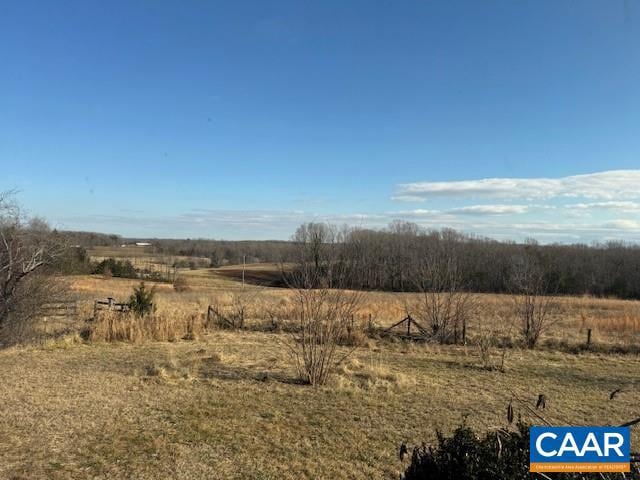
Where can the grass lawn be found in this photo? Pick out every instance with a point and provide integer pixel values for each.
(227, 406)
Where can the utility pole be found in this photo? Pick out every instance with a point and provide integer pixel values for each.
(244, 264)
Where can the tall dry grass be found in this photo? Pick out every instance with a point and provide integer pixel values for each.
(625, 322)
(270, 309)
(126, 327)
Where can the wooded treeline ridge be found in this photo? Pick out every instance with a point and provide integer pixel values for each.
(388, 259)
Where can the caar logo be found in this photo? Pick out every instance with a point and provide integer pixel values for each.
(579, 449)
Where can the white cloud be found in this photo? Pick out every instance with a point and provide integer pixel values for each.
(491, 209)
(478, 210)
(541, 207)
(606, 185)
(215, 223)
(243, 224)
(621, 206)
(408, 198)
(417, 213)
(622, 224)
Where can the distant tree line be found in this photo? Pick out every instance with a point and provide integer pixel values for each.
(402, 257)
(92, 239)
(218, 252)
(115, 268)
(405, 257)
(228, 252)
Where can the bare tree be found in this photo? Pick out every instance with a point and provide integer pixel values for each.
(532, 303)
(27, 246)
(445, 305)
(323, 307)
(314, 239)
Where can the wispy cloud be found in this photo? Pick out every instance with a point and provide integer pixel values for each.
(606, 185)
(621, 206)
(597, 206)
(623, 224)
(491, 209)
(408, 198)
(586, 207)
(477, 210)
(416, 213)
(487, 220)
(215, 223)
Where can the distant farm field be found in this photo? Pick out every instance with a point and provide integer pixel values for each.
(227, 404)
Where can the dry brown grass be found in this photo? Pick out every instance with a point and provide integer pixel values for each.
(109, 326)
(613, 322)
(371, 372)
(625, 322)
(225, 405)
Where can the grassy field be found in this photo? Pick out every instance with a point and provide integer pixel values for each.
(227, 404)
(145, 258)
(613, 322)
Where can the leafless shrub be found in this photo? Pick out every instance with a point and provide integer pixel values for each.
(322, 318)
(323, 309)
(445, 305)
(355, 333)
(234, 312)
(273, 317)
(532, 304)
(491, 340)
(277, 315)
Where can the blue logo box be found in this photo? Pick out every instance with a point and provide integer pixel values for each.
(579, 449)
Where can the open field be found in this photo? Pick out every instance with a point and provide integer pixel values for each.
(134, 252)
(227, 404)
(613, 322)
(146, 258)
(266, 274)
(320, 240)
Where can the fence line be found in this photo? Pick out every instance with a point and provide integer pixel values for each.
(109, 304)
(59, 309)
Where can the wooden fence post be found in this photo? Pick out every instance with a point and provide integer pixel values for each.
(464, 331)
(588, 337)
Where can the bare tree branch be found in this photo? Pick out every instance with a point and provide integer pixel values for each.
(26, 247)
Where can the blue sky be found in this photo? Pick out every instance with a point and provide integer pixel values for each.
(243, 119)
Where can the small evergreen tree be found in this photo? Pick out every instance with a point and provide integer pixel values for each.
(141, 301)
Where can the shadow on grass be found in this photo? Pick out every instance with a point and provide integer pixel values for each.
(229, 372)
